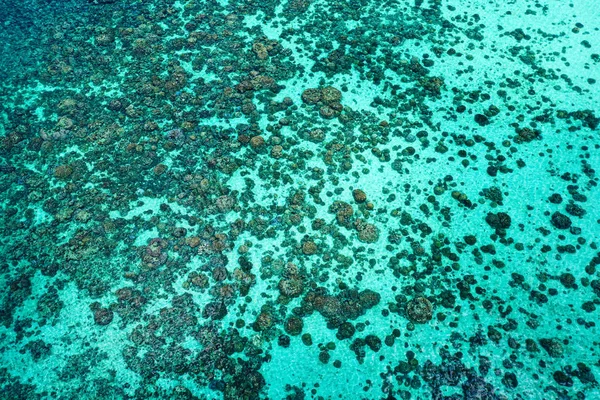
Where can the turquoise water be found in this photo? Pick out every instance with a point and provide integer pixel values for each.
(299, 200)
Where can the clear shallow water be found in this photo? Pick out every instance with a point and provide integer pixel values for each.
(299, 199)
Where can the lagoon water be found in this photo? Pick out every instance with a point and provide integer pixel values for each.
(299, 199)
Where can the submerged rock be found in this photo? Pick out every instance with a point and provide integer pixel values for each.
(292, 287)
(499, 220)
(293, 326)
(553, 347)
(103, 316)
(419, 310)
(561, 221)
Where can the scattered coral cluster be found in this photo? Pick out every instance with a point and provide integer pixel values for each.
(299, 199)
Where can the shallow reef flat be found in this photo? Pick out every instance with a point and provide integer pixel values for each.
(299, 199)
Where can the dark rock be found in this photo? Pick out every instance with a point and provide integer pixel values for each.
(419, 310)
(561, 221)
(575, 210)
(477, 388)
(215, 310)
(291, 287)
(293, 326)
(345, 331)
(562, 379)
(373, 342)
(567, 279)
(307, 339)
(510, 380)
(500, 220)
(470, 240)
(555, 198)
(585, 374)
(311, 96)
(359, 196)
(103, 316)
(527, 135)
(481, 120)
(283, 341)
(331, 95)
(264, 321)
(492, 170)
(553, 347)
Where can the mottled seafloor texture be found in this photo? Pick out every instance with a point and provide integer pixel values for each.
(299, 199)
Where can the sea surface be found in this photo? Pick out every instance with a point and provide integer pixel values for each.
(299, 199)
